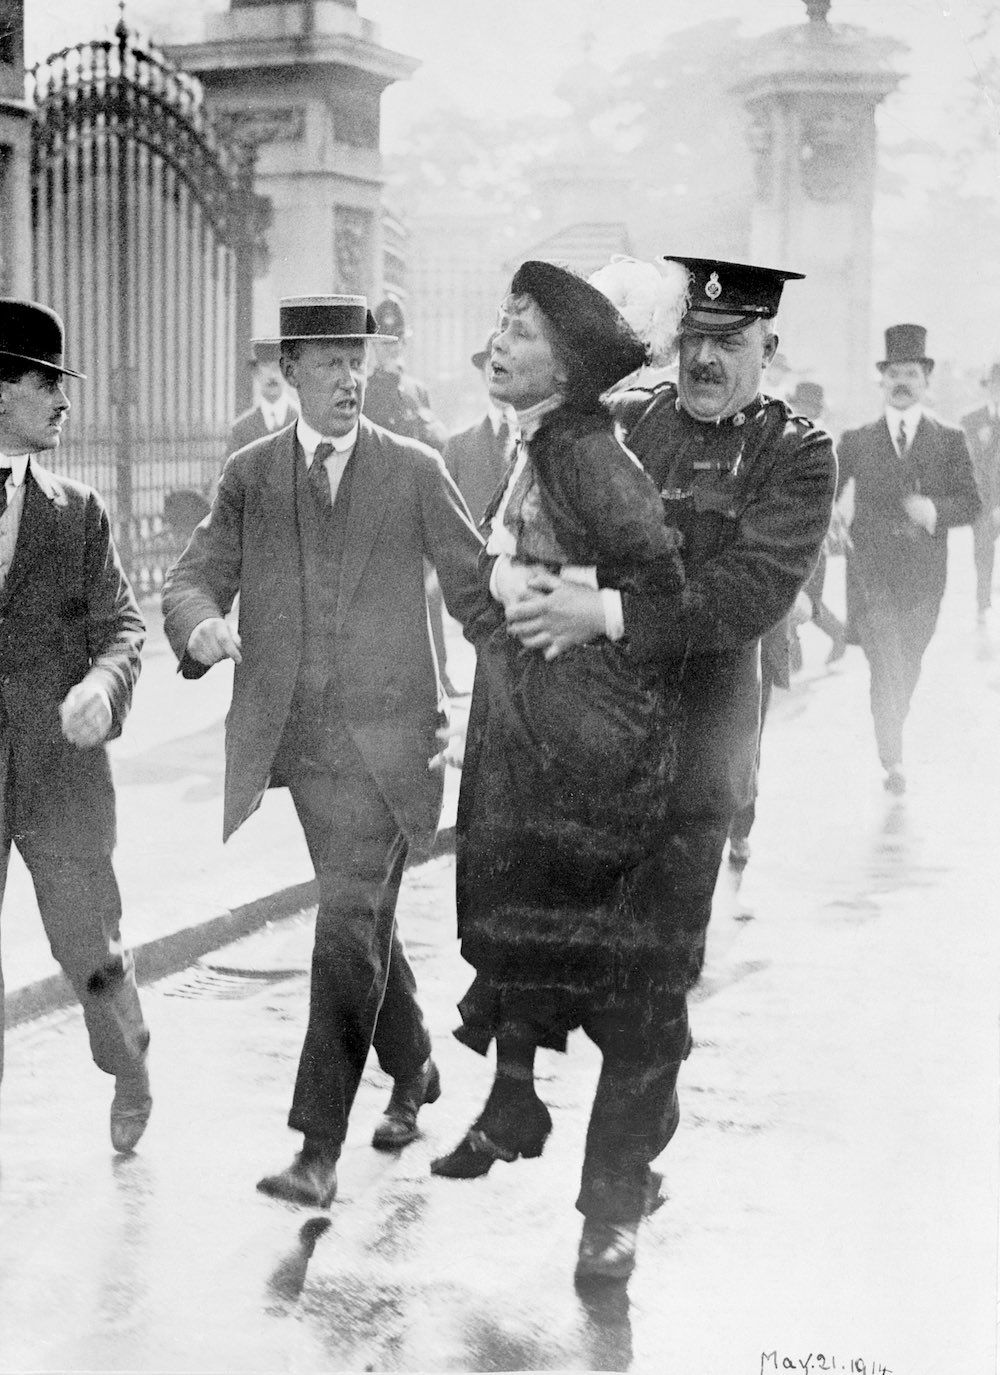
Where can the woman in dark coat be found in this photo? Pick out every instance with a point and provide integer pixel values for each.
(568, 759)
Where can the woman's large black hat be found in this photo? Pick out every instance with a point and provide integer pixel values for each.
(587, 325)
(32, 334)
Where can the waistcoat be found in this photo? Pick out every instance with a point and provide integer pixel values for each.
(322, 537)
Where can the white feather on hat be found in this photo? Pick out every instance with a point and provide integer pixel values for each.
(651, 296)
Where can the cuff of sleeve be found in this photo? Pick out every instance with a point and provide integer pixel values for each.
(614, 616)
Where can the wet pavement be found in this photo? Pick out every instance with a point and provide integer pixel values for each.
(832, 1187)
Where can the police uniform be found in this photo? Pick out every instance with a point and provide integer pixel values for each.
(750, 496)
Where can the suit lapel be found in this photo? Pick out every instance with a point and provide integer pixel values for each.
(365, 514)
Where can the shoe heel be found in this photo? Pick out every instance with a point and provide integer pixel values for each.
(433, 1091)
(534, 1143)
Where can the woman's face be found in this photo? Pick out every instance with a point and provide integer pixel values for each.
(522, 370)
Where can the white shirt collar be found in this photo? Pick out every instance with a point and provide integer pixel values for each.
(18, 467)
(529, 420)
(910, 418)
(310, 440)
(275, 413)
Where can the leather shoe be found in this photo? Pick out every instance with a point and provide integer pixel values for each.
(130, 1108)
(607, 1250)
(311, 1178)
(398, 1126)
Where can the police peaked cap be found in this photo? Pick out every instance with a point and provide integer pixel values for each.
(725, 297)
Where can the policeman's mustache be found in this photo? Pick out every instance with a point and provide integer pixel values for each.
(704, 372)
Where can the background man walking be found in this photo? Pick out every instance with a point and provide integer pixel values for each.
(323, 529)
(913, 481)
(70, 637)
(982, 431)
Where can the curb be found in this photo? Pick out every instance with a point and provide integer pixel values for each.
(169, 954)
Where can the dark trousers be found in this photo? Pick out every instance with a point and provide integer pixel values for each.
(636, 1110)
(362, 991)
(81, 911)
(894, 640)
(984, 543)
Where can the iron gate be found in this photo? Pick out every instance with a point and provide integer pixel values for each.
(144, 239)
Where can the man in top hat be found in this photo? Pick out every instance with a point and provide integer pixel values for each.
(273, 408)
(912, 481)
(322, 529)
(70, 637)
(982, 431)
(749, 487)
(477, 458)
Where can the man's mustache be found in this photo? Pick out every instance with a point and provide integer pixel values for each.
(704, 372)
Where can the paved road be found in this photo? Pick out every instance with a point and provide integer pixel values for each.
(833, 1185)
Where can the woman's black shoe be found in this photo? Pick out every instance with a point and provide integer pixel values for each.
(475, 1153)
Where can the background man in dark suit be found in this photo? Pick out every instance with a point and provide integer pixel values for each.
(912, 482)
(477, 458)
(323, 529)
(70, 636)
(982, 431)
(274, 408)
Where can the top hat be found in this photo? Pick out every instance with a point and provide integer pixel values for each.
(326, 318)
(389, 317)
(583, 318)
(807, 398)
(905, 344)
(726, 297)
(480, 357)
(33, 334)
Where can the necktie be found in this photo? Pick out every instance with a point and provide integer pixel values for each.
(901, 442)
(319, 478)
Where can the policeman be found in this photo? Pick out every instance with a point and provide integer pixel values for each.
(749, 488)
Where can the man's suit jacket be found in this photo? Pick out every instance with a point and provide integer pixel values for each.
(66, 608)
(250, 426)
(892, 557)
(477, 459)
(403, 508)
(982, 433)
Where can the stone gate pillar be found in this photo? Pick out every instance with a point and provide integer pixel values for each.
(811, 92)
(15, 156)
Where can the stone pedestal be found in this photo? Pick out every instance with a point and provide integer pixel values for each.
(15, 156)
(811, 92)
(302, 80)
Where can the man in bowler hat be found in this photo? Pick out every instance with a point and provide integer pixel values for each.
(70, 637)
(477, 457)
(273, 409)
(912, 481)
(982, 431)
(748, 486)
(322, 529)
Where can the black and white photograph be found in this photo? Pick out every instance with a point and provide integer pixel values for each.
(499, 687)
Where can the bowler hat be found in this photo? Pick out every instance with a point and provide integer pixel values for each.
(589, 327)
(726, 297)
(326, 317)
(905, 344)
(32, 334)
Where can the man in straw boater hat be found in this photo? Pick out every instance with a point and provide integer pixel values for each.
(70, 638)
(912, 480)
(749, 487)
(322, 529)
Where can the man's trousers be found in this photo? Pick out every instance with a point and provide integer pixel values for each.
(894, 640)
(984, 543)
(362, 990)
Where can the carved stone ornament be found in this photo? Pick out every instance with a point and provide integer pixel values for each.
(831, 153)
(352, 230)
(266, 124)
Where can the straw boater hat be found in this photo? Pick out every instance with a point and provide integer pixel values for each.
(33, 334)
(325, 318)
